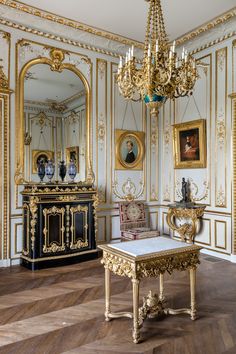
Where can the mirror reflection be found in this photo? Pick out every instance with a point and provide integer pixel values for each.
(55, 125)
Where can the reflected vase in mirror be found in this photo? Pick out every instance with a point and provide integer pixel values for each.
(72, 170)
(49, 170)
(41, 170)
(62, 170)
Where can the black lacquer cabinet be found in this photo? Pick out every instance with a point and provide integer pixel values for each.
(59, 225)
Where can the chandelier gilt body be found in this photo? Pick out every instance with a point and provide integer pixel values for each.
(162, 74)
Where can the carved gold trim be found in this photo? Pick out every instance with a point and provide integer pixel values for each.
(26, 250)
(233, 97)
(30, 260)
(82, 242)
(56, 63)
(78, 188)
(206, 27)
(54, 246)
(187, 231)
(221, 65)
(95, 206)
(101, 124)
(34, 216)
(32, 10)
(5, 154)
(151, 265)
(112, 36)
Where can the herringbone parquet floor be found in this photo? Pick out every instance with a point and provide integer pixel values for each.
(60, 310)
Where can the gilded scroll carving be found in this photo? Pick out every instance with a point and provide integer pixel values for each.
(54, 246)
(150, 267)
(82, 242)
(33, 210)
(129, 190)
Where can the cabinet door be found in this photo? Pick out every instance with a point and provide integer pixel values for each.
(53, 224)
(79, 227)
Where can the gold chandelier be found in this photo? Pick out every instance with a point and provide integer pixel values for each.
(162, 74)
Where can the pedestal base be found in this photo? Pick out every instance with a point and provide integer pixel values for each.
(57, 262)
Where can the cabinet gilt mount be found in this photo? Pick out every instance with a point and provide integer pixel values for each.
(59, 224)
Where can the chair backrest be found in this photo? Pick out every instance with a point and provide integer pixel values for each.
(132, 215)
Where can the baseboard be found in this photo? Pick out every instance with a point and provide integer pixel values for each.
(5, 263)
(227, 257)
(15, 261)
(233, 258)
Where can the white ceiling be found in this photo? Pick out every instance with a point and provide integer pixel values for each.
(46, 84)
(128, 17)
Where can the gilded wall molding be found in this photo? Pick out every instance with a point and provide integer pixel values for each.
(207, 27)
(154, 157)
(233, 97)
(75, 43)
(101, 128)
(60, 39)
(221, 86)
(129, 190)
(111, 36)
(70, 23)
(5, 43)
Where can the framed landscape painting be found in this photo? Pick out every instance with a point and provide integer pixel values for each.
(190, 144)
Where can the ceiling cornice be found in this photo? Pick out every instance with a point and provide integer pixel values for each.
(207, 26)
(18, 5)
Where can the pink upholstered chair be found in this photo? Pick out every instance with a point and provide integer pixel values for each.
(133, 223)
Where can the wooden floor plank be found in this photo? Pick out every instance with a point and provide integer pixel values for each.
(61, 310)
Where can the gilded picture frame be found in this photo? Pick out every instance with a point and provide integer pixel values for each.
(37, 155)
(190, 144)
(72, 153)
(129, 149)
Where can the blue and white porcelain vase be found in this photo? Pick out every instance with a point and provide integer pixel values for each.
(41, 170)
(50, 169)
(72, 170)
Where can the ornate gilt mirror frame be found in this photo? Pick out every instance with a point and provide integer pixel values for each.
(55, 62)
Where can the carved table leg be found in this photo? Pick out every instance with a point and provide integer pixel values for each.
(192, 292)
(107, 293)
(136, 327)
(161, 291)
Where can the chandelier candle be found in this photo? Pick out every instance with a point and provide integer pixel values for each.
(162, 74)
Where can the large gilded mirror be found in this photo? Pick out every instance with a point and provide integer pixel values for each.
(54, 109)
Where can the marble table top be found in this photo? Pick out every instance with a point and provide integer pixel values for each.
(148, 246)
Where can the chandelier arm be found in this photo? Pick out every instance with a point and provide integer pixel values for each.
(162, 74)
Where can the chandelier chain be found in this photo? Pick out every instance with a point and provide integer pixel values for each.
(162, 74)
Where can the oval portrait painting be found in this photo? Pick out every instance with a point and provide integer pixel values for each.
(129, 150)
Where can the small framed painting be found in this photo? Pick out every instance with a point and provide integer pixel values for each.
(72, 153)
(38, 155)
(129, 150)
(190, 144)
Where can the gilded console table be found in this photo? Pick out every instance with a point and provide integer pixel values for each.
(141, 258)
(192, 212)
(59, 224)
